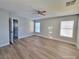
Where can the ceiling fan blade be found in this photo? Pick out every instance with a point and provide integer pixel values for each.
(39, 12)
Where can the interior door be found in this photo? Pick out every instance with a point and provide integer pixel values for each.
(10, 31)
(15, 29)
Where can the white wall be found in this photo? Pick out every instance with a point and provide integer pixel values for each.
(4, 28)
(25, 27)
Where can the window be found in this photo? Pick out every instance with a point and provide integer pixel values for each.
(37, 27)
(66, 28)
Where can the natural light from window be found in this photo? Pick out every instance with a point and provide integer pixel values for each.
(37, 27)
(66, 28)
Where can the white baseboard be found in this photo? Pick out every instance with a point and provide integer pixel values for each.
(19, 38)
(25, 36)
(56, 39)
(4, 44)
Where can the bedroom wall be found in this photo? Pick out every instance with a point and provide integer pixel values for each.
(4, 28)
(55, 24)
(25, 27)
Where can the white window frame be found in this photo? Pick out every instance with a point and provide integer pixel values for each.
(37, 30)
(65, 26)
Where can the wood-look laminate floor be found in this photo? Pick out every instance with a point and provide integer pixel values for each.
(35, 47)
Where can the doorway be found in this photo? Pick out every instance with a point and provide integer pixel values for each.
(13, 30)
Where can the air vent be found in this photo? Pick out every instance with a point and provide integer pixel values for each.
(70, 3)
(73, 2)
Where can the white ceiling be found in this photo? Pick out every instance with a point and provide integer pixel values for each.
(25, 8)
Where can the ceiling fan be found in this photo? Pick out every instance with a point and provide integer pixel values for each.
(40, 12)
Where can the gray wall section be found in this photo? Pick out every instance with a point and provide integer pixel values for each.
(78, 34)
(55, 23)
(4, 28)
(25, 28)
